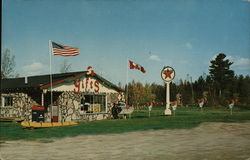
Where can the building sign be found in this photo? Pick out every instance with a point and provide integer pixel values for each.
(167, 74)
(86, 84)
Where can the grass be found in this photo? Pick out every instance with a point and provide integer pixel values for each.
(184, 118)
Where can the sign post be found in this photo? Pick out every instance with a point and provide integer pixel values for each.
(167, 74)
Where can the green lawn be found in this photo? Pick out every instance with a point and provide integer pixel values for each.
(184, 118)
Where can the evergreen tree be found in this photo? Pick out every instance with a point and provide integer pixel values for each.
(158, 92)
(243, 88)
(199, 87)
(173, 91)
(185, 89)
(221, 74)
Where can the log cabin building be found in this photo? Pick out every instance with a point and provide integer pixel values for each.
(76, 96)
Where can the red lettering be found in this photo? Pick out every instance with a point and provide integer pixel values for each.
(91, 84)
(82, 83)
(97, 86)
(77, 85)
(87, 80)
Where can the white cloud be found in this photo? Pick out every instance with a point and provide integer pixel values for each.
(239, 62)
(242, 63)
(34, 69)
(34, 66)
(188, 45)
(154, 58)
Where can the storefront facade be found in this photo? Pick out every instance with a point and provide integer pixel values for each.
(76, 96)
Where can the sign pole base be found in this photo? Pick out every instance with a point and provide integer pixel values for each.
(167, 112)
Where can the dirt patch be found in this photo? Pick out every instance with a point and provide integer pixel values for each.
(209, 141)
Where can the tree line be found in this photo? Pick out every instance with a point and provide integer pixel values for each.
(217, 88)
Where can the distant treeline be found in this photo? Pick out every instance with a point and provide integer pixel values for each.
(217, 88)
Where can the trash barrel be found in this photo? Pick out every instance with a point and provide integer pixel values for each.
(38, 113)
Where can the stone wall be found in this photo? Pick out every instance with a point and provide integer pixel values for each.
(112, 98)
(21, 108)
(69, 107)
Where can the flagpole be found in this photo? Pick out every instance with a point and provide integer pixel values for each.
(50, 67)
(127, 82)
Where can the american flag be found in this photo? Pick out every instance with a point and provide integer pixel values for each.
(61, 50)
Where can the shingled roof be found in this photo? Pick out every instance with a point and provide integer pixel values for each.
(41, 81)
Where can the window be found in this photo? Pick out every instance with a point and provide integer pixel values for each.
(7, 101)
(100, 99)
(93, 103)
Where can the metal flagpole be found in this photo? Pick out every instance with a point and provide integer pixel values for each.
(127, 83)
(51, 90)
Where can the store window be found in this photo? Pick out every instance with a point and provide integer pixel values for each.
(93, 103)
(7, 101)
(99, 100)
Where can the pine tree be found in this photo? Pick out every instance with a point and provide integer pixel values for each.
(221, 74)
(243, 88)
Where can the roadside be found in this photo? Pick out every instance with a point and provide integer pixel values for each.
(207, 141)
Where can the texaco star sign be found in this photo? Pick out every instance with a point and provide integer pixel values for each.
(167, 74)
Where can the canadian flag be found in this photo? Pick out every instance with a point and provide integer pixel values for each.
(133, 65)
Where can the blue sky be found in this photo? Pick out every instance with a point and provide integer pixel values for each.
(183, 34)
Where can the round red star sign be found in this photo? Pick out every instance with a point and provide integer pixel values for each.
(167, 74)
